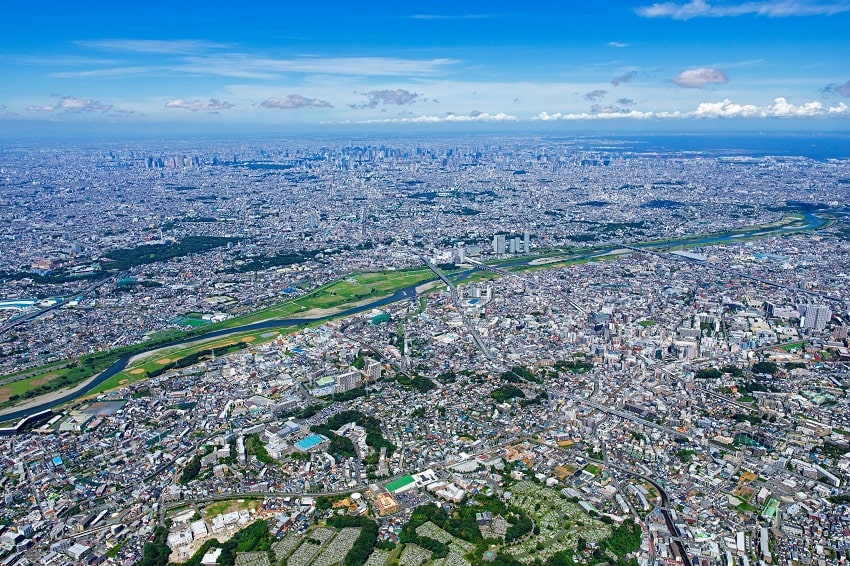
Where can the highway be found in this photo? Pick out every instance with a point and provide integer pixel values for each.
(456, 301)
(664, 508)
(12, 323)
(622, 414)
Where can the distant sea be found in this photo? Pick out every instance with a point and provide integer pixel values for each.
(816, 145)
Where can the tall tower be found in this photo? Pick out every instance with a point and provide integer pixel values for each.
(499, 244)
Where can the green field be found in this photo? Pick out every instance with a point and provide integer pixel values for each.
(354, 288)
(165, 356)
(33, 371)
(340, 293)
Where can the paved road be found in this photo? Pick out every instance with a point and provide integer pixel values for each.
(10, 324)
(456, 300)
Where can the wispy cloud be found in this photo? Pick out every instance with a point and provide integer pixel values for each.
(397, 97)
(450, 16)
(211, 105)
(474, 116)
(700, 77)
(771, 9)
(842, 89)
(58, 60)
(595, 94)
(160, 46)
(294, 101)
(245, 66)
(624, 78)
(108, 72)
(618, 44)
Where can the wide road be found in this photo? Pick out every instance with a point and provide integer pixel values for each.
(12, 323)
(456, 300)
(665, 510)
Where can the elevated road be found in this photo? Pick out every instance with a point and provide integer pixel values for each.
(622, 414)
(456, 301)
(12, 323)
(665, 511)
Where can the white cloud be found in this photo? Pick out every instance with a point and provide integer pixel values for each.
(618, 44)
(398, 97)
(633, 114)
(772, 9)
(780, 108)
(294, 101)
(195, 105)
(71, 104)
(474, 116)
(160, 46)
(700, 77)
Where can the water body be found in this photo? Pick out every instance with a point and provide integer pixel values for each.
(121, 363)
(814, 145)
(812, 222)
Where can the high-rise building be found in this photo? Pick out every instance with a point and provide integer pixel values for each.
(526, 242)
(372, 370)
(769, 308)
(459, 254)
(313, 222)
(499, 244)
(347, 381)
(815, 317)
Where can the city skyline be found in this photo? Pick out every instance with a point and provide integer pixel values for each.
(670, 65)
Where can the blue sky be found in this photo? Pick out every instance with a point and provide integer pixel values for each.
(282, 63)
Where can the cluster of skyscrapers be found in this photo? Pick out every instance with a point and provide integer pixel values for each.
(507, 243)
